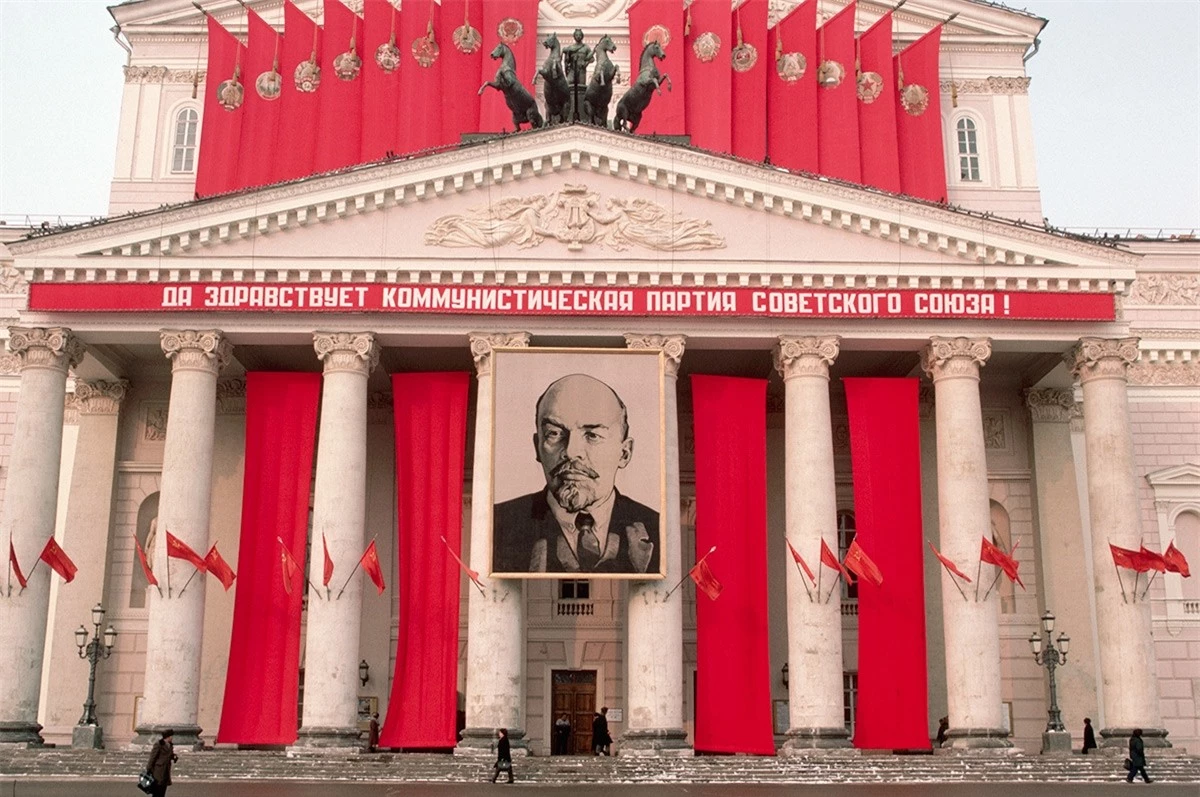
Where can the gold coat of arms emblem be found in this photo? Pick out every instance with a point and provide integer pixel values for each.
(869, 86)
(707, 46)
(830, 74)
(387, 56)
(307, 76)
(510, 30)
(269, 85)
(425, 50)
(467, 39)
(743, 57)
(657, 33)
(914, 98)
(347, 65)
(230, 93)
(790, 66)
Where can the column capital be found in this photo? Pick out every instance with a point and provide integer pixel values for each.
(670, 345)
(805, 356)
(99, 396)
(352, 352)
(1102, 358)
(1050, 404)
(196, 349)
(56, 348)
(955, 357)
(483, 343)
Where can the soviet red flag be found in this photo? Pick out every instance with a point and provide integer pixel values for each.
(218, 567)
(58, 560)
(706, 582)
(800, 561)
(16, 567)
(288, 565)
(146, 571)
(471, 574)
(178, 549)
(831, 561)
(994, 556)
(861, 565)
(1175, 561)
(949, 565)
(1130, 560)
(1154, 561)
(370, 563)
(328, 574)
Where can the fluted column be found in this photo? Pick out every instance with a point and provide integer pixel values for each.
(495, 619)
(176, 628)
(654, 653)
(27, 518)
(339, 517)
(815, 714)
(1122, 618)
(972, 628)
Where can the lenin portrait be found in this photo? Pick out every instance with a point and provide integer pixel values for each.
(577, 463)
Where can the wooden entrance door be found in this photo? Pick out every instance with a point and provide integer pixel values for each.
(574, 695)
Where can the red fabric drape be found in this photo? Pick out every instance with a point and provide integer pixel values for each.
(837, 111)
(886, 460)
(494, 116)
(733, 691)
(263, 675)
(709, 84)
(462, 73)
(792, 105)
(339, 131)
(431, 437)
(665, 114)
(221, 130)
(260, 125)
(749, 88)
(419, 121)
(877, 118)
(381, 90)
(919, 130)
(296, 144)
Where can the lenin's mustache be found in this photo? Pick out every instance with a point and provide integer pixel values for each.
(574, 469)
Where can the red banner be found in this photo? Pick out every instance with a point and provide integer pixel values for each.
(381, 89)
(661, 20)
(568, 301)
(885, 448)
(260, 125)
(431, 442)
(750, 56)
(220, 134)
(419, 121)
(296, 144)
(462, 73)
(512, 22)
(792, 91)
(708, 76)
(877, 108)
(339, 133)
(919, 118)
(733, 671)
(837, 102)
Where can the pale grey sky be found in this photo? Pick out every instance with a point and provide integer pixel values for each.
(1115, 98)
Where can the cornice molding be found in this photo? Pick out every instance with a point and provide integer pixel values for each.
(162, 74)
(988, 85)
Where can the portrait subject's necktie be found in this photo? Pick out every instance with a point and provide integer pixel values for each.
(588, 545)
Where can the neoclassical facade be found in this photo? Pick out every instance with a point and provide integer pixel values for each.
(1060, 413)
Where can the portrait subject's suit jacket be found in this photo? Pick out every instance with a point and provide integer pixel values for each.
(526, 538)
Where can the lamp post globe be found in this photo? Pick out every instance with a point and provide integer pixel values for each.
(87, 732)
(1055, 739)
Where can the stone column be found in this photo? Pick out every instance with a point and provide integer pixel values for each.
(496, 619)
(1122, 618)
(1064, 569)
(654, 653)
(86, 538)
(815, 714)
(340, 516)
(27, 519)
(176, 629)
(972, 627)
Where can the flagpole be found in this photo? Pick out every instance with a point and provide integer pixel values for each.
(804, 582)
(460, 561)
(954, 580)
(1149, 581)
(831, 589)
(978, 573)
(189, 581)
(820, 572)
(993, 584)
(8, 574)
(689, 573)
(355, 570)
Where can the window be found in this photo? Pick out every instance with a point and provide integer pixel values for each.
(574, 590)
(845, 523)
(850, 699)
(968, 151)
(183, 152)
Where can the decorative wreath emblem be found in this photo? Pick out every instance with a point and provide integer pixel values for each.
(510, 30)
(707, 46)
(425, 50)
(347, 65)
(791, 66)
(915, 99)
(869, 86)
(387, 56)
(467, 39)
(307, 76)
(230, 93)
(830, 74)
(269, 85)
(744, 57)
(657, 33)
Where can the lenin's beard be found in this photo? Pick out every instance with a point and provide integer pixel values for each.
(573, 485)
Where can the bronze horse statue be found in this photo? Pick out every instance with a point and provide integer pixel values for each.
(600, 87)
(558, 91)
(637, 99)
(516, 96)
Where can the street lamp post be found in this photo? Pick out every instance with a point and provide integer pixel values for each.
(1056, 738)
(87, 732)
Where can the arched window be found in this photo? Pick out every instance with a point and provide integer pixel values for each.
(846, 531)
(968, 151)
(183, 150)
(1187, 540)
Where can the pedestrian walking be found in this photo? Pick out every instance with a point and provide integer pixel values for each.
(1089, 735)
(1137, 757)
(162, 755)
(601, 741)
(503, 756)
(373, 733)
(943, 726)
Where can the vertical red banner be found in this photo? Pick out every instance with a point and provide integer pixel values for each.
(513, 22)
(418, 123)
(877, 107)
(750, 60)
(299, 104)
(792, 90)
(381, 86)
(837, 103)
(662, 21)
(885, 448)
(708, 75)
(431, 441)
(262, 679)
(462, 72)
(733, 671)
(919, 118)
(220, 129)
(260, 125)
(339, 132)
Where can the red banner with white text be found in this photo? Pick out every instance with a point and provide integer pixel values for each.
(792, 90)
(661, 21)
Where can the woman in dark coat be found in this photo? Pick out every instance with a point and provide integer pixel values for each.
(1089, 735)
(162, 755)
(503, 756)
(1137, 757)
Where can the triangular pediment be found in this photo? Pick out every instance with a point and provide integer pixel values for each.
(1185, 475)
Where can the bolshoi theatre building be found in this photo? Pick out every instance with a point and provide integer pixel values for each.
(332, 381)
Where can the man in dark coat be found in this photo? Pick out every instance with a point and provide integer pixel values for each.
(1089, 736)
(601, 741)
(580, 523)
(162, 755)
(1137, 757)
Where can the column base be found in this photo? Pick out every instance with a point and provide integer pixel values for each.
(968, 739)
(325, 737)
(1056, 743)
(1119, 737)
(481, 742)
(806, 741)
(654, 743)
(187, 737)
(27, 734)
(90, 737)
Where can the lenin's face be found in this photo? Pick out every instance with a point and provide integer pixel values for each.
(581, 440)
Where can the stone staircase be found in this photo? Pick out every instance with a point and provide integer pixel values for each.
(228, 764)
